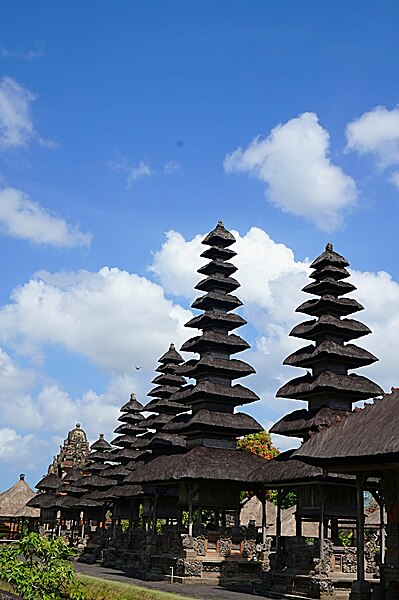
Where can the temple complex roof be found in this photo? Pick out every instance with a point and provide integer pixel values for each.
(368, 436)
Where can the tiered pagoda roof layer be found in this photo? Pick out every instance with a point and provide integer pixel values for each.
(329, 390)
(169, 383)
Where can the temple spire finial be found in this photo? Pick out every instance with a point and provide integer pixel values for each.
(329, 247)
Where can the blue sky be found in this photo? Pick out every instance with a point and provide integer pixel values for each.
(120, 122)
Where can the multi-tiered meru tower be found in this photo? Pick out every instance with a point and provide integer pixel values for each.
(329, 389)
(213, 398)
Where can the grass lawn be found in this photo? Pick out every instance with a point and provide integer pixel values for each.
(103, 589)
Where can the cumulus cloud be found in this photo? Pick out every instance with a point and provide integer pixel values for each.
(376, 132)
(21, 217)
(20, 451)
(294, 163)
(142, 170)
(114, 318)
(17, 129)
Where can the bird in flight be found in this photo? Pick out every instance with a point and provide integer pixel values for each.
(137, 368)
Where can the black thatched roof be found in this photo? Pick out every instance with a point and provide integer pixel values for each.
(71, 489)
(214, 318)
(171, 356)
(234, 395)
(41, 501)
(217, 265)
(132, 405)
(359, 387)
(201, 463)
(49, 482)
(330, 271)
(165, 405)
(230, 424)
(328, 286)
(115, 472)
(369, 436)
(221, 252)
(163, 391)
(217, 282)
(230, 368)
(212, 340)
(128, 429)
(220, 237)
(331, 304)
(101, 444)
(71, 475)
(300, 422)
(351, 355)
(347, 329)
(125, 491)
(166, 440)
(217, 299)
(283, 470)
(168, 379)
(329, 257)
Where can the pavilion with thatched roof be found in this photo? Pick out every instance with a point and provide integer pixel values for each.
(364, 444)
(13, 509)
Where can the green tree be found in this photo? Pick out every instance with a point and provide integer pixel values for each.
(37, 568)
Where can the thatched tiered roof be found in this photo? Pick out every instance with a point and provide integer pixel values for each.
(369, 436)
(13, 501)
(329, 389)
(213, 398)
(165, 405)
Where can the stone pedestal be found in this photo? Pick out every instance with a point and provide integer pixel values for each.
(361, 590)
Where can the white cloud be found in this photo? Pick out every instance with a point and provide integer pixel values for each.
(37, 52)
(114, 318)
(294, 164)
(20, 451)
(376, 132)
(21, 217)
(16, 125)
(142, 170)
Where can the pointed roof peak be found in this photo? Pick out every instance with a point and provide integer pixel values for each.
(329, 247)
(219, 237)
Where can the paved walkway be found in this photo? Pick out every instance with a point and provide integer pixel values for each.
(193, 590)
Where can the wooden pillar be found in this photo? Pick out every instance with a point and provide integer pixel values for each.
(334, 530)
(321, 523)
(155, 510)
(298, 526)
(237, 513)
(382, 528)
(278, 526)
(199, 516)
(190, 509)
(360, 528)
(264, 522)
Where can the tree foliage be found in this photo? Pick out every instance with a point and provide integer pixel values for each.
(259, 443)
(37, 568)
(262, 445)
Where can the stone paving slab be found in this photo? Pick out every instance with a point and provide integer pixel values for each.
(193, 590)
